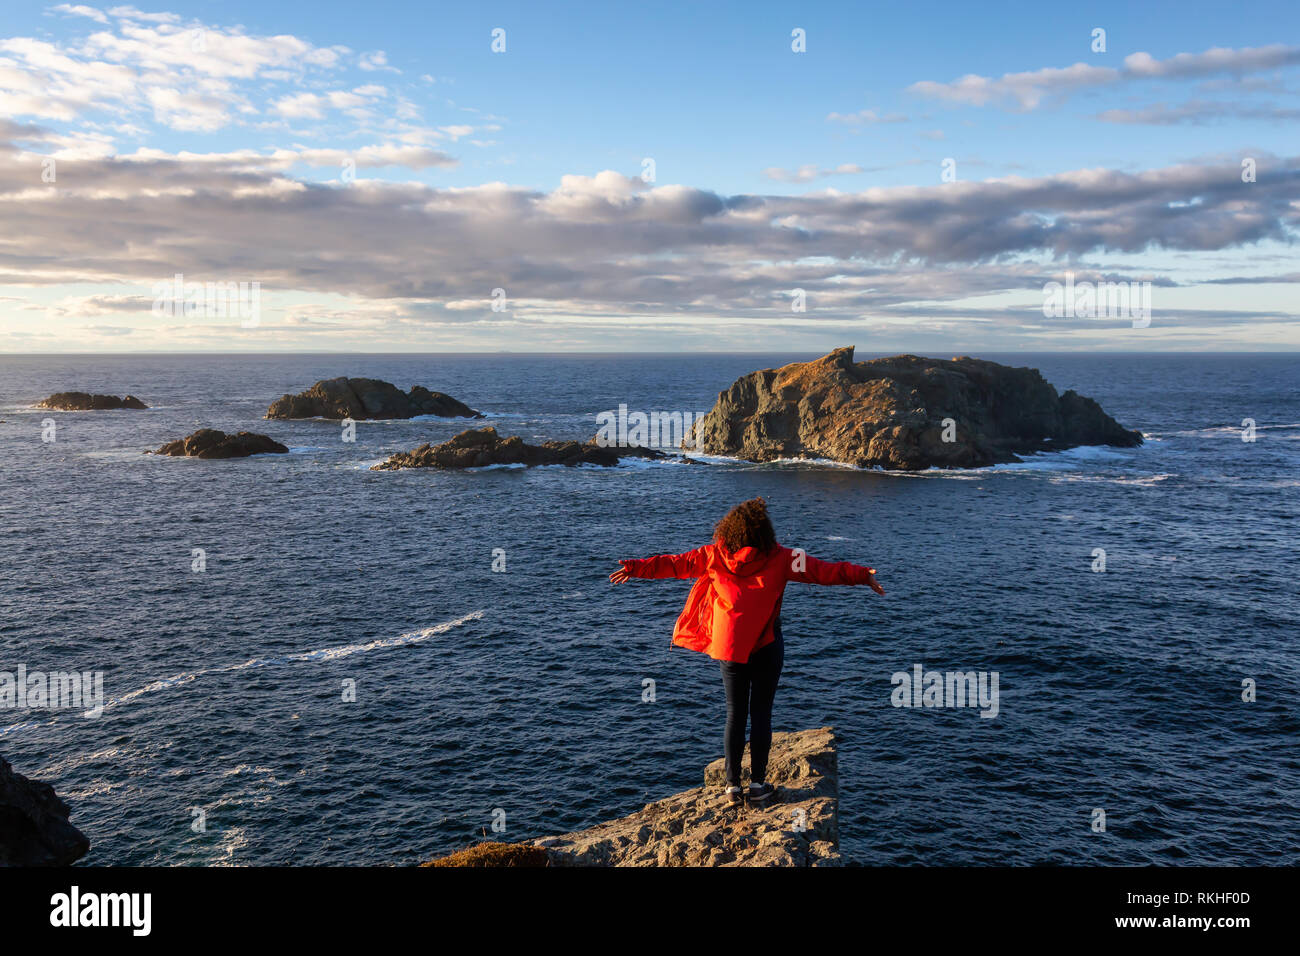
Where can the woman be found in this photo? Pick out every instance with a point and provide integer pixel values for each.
(733, 614)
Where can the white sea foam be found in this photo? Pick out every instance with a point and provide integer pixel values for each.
(430, 418)
(347, 650)
(1233, 431)
(643, 463)
(323, 654)
(1139, 480)
(1064, 460)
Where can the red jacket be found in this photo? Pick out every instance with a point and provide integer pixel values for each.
(732, 607)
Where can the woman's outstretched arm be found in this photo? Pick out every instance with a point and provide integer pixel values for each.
(804, 567)
(692, 564)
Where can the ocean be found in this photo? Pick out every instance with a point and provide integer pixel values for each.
(349, 681)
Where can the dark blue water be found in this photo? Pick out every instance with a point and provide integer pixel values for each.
(1119, 690)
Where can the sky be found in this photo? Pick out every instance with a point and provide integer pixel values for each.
(416, 176)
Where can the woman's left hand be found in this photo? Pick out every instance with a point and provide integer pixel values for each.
(619, 576)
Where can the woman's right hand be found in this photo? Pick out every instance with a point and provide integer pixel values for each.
(619, 576)
(874, 584)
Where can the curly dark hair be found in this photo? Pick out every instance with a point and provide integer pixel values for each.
(746, 526)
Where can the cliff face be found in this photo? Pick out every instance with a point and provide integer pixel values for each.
(700, 828)
(363, 398)
(34, 827)
(890, 413)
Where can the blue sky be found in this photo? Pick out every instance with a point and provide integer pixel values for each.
(378, 170)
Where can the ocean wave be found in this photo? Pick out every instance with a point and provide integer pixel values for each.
(1232, 430)
(323, 654)
(774, 463)
(643, 463)
(1066, 459)
(347, 650)
(1140, 480)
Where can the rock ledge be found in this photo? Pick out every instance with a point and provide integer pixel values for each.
(700, 828)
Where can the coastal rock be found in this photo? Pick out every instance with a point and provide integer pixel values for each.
(210, 443)
(367, 398)
(479, 447)
(890, 413)
(34, 827)
(84, 401)
(494, 855)
(700, 828)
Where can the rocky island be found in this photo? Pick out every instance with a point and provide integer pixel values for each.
(480, 447)
(34, 827)
(85, 402)
(700, 828)
(901, 413)
(210, 443)
(367, 398)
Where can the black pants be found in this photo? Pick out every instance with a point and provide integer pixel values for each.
(751, 688)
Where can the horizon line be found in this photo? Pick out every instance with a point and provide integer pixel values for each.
(644, 352)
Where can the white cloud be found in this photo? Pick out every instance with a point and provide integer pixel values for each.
(184, 75)
(80, 10)
(300, 106)
(810, 171)
(187, 110)
(1029, 90)
(607, 244)
(865, 118)
(377, 60)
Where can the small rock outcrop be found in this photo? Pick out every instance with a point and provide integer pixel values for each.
(902, 413)
(85, 402)
(700, 828)
(492, 855)
(210, 443)
(367, 398)
(480, 447)
(34, 827)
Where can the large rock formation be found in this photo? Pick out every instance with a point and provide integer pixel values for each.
(363, 398)
(479, 447)
(700, 828)
(210, 443)
(890, 413)
(84, 401)
(34, 827)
